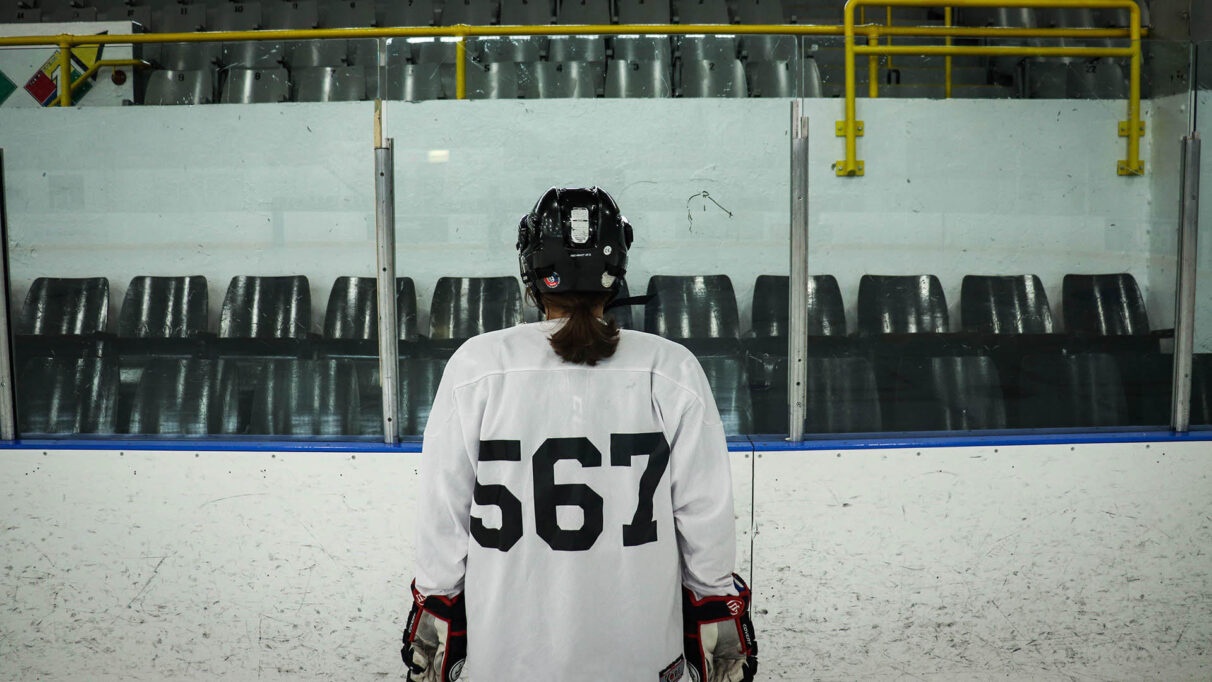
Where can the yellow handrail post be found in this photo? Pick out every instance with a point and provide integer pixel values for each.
(1133, 128)
(461, 67)
(65, 72)
(849, 128)
(947, 61)
(873, 67)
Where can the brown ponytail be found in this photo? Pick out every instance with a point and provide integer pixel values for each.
(583, 339)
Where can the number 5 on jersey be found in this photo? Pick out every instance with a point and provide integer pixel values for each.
(548, 495)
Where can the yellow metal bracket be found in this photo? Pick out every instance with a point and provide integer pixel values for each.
(840, 128)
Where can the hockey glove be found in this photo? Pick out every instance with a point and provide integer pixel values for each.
(435, 641)
(719, 641)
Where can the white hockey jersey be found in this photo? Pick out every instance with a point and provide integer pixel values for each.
(571, 503)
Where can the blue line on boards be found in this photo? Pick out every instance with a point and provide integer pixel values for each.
(735, 444)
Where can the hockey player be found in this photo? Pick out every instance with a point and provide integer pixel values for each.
(575, 521)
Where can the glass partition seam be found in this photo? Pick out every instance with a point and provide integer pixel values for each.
(798, 314)
(8, 422)
(385, 244)
(1184, 332)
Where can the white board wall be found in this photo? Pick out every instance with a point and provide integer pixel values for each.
(1025, 563)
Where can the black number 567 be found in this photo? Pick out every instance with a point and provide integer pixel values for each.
(548, 495)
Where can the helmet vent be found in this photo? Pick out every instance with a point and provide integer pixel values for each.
(579, 220)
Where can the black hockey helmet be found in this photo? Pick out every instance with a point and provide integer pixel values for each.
(574, 239)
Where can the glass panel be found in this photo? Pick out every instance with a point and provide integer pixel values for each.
(1201, 370)
(703, 182)
(994, 270)
(180, 274)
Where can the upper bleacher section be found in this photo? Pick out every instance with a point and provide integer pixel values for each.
(544, 67)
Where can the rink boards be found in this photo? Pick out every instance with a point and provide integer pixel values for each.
(1010, 562)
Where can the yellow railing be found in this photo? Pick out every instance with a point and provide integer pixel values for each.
(850, 128)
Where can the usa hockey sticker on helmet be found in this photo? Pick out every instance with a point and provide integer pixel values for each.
(573, 240)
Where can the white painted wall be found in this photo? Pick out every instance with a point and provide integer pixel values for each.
(1021, 563)
(952, 188)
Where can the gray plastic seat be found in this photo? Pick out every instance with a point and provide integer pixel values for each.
(307, 398)
(952, 393)
(826, 315)
(463, 307)
(180, 87)
(842, 396)
(353, 309)
(701, 12)
(760, 12)
(57, 306)
(67, 396)
(266, 308)
(290, 14)
(901, 304)
(1048, 78)
(405, 13)
(1010, 17)
(778, 79)
(769, 48)
(506, 48)
(346, 14)
(708, 48)
(1014, 304)
(638, 79)
(185, 397)
(1104, 305)
(713, 79)
(307, 53)
(327, 84)
(692, 307)
(526, 12)
(1098, 79)
(1080, 390)
(433, 51)
(11, 14)
(188, 56)
(418, 385)
(415, 82)
(67, 14)
(644, 12)
(643, 49)
(576, 49)
(551, 80)
(244, 16)
(256, 86)
(591, 12)
(164, 308)
(472, 12)
(498, 80)
(730, 387)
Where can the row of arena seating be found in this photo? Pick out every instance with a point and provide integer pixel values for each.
(691, 66)
(683, 307)
(170, 16)
(496, 80)
(265, 373)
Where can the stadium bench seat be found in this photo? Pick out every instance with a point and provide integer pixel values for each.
(329, 84)
(692, 307)
(1104, 305)
(701, 78)
(463, 307)
(1014, 304)
(56, 306)
(185, 396)
(644, 12)
(636, 79)
(164, 308)
(950, 393)
(180, 87)
(353, 307)
(1071, 390)
(63, 395)
(307, 398)
(266, 308)
(254, 86)
(901, 304)
(771, 305)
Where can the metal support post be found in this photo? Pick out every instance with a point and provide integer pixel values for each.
(385, 244)
(797, 342)
(8, 419)
(1184, 308)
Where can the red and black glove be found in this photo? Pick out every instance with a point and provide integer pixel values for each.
(435, 639)
(719, 639)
